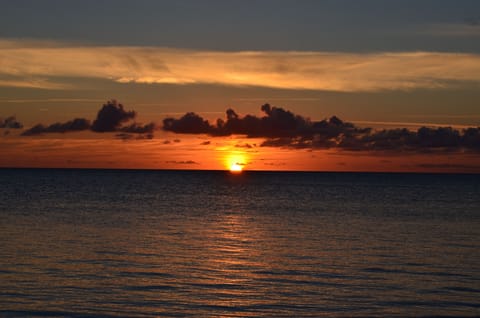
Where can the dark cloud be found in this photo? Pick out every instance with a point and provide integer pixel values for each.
(190, 123)
(124, 136)
(186, 162)
(245, 145)
(282, 128)
(109, 119)
(111, 116)
(205, 143)
(78, 124)
(10, 122)
(138, 128)
(425, 139)
(472, 21)
(471, 138)
(128, 136)
(277, 123)
(286, 142)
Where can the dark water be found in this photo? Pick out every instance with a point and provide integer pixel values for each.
(208, 244)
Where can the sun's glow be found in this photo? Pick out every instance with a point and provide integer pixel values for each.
(235, 162)
(236, 167)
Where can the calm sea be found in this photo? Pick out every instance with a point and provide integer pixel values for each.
(100, 243)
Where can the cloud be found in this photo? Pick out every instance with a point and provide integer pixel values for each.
(128, 136)
(186, 162)
(245, 145)
(282, 128)
(138, 128)
(111, 116)
(10, 122)
(471, 28)
(190, 123)
(277, 123)
(109, 119)
(24, 81)
(42, 64)
(51, 100)
(77, 124)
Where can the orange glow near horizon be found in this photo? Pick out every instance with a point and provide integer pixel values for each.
(85, 150)
(235, 162)
(236, 168)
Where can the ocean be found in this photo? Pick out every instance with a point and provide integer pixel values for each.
(136, 243)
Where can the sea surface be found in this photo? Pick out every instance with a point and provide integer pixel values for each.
(110, 243)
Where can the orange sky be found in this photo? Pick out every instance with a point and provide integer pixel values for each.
(413, 67)
(172, 151)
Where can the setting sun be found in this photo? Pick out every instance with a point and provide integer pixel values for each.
(236, 167)
(236, 162)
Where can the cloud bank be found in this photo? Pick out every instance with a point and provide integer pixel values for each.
(282, 128)
(41, 64)
(109, 119)
(77, 124)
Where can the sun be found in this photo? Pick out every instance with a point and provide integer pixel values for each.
(235, 162)
(236, 167)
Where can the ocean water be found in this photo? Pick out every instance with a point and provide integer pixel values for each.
(101, 243)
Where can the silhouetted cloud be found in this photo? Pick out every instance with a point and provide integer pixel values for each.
(205, 143)
(78, 124)
(128, 136)
(190, 123)
(471, 138)
(277, 123)
(138, 128)
(245, 145)
(111, 116)
(10, 122)
(109, 119)
(186, 162)
(282, 128)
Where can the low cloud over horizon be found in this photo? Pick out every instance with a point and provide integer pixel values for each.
(10, 122)
(41, 64)
(278, 127)
(282, 128)
(109, 119)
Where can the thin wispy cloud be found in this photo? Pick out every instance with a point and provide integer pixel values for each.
(42, 64)
(470, 28)
(51, 100)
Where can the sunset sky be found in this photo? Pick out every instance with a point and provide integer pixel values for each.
(350, 85)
